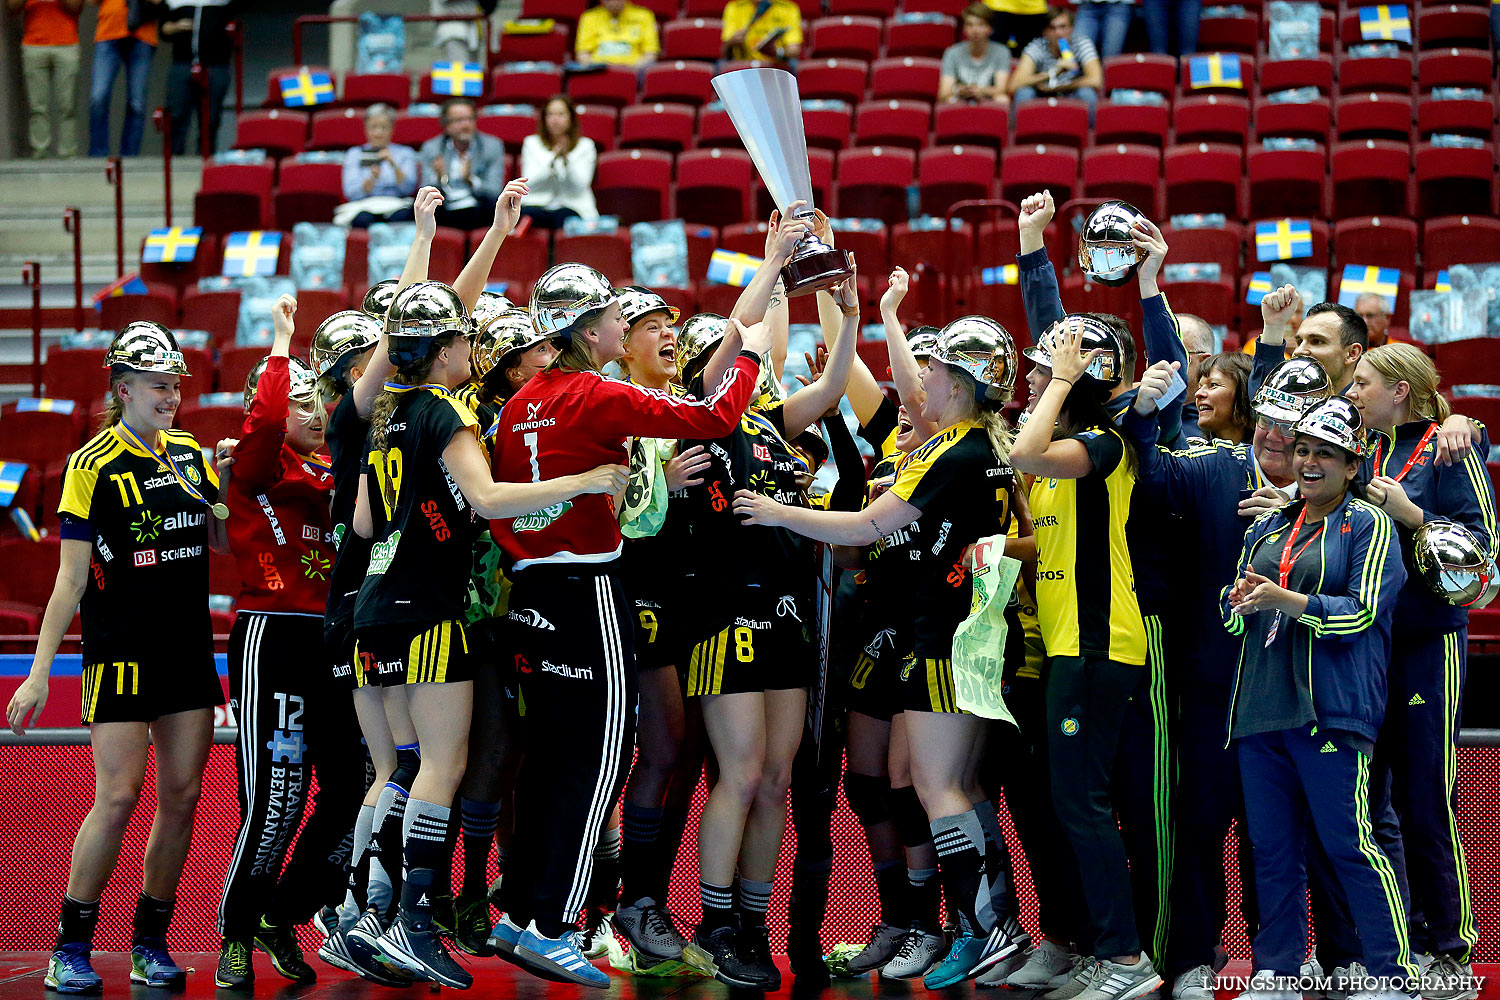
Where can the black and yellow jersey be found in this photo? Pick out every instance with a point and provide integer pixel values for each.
(147, 592)
(963, 491)
(422, 546)
(346, 451)
(485, 413)
(1085, 586)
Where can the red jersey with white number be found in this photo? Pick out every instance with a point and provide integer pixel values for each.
(565, 423)
(280, 528)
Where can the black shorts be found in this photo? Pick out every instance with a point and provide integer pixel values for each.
(391, 655)
(146, 690)
(875, 687)
(927, 685)
(768, 647)
(342, 658)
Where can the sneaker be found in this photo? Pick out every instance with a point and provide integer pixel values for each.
(503, 937)
(1048, 966)
(598, 931)
(1196, 983)
(880, 949)
(1345, 981)
(443, 918)
(649, 929)
(999, 974)
(69, 970)
(1007, 938)
(1263, 988)
(1123, 982)
(1085, 971)
(326, 920)
(150, 964)
(235, 971)
(472, 917)
(714, 954)
(335, 951)
(753, 943)
(1382, 995)
(917, 953)
(1446, 978)
(959, 964)
(286, 957)
(422, 954)
(363, 939)
(562, 956)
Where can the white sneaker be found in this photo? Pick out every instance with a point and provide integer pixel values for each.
(1047, 967)
(1262, 986)
(1346, 980)
(1085, 971)
(999, 974)
(1123, 982)
(1195, 984)
(919, 952)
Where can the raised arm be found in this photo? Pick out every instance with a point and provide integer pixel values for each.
(466, 463)
(257, 457)
(1034, 451)
(810, 402)
(905, 371)
(1039, 293)
(471, 281)
(1276, 312)
(372, 381)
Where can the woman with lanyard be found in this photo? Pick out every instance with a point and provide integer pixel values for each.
(1396, 391)
(1313, 608)
(573, 648)
(291, 719)
(1096, 641)
(138, 513)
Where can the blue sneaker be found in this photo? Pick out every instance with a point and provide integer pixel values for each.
(561, 956)
(505, 935)
(150, 964)
(966, 953)
(69, 970)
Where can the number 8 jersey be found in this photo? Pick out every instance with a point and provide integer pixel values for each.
(423, 539)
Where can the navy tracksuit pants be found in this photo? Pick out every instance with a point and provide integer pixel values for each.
(1295, 783)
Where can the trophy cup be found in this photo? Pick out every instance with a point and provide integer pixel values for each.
(767, 113)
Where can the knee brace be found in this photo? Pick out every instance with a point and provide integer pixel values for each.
(868, 798)
(408, 761)
(909, 816)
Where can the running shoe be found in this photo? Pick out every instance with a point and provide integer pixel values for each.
(422, 954)
(649, 929)
(714, 954)
(1084, 973)
(503, 937)
(335, 951)
(753, 944)
(362, 940)
(69, 970)
(286, 957)
(326, 920)
(1446, 978)
(1123, 982)
(150, 964)
(598, 931)
(443, 918)
(562, 956)
(1048, 966)
(1346, 980)
(235, 971)
(999, 974)
(472, 915)
(959, 964)
(1263, 987)
(917, 953)
(878, 950)
(1196, 983)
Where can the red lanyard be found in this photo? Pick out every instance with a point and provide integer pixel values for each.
(1284, 571)
(1379, 447)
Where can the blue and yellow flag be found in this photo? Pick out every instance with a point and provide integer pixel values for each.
(1440, 283)
(11, 474)
(1001, 274)
(1385, 23)
(1260, 287)
(306, 89)
(729, 267)
(1214, 70)
(131, 284)
(1284, 239)
(32, 404)
(1359, 279)
(176, 245)
(456, 79)
(251, 254)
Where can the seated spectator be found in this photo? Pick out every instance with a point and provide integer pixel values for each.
(769, 30)
(976, 68)
(198, 32)
(1105, 23)
(619, 33)
(49, 65)
(1057, 65)
(119, 47)
(558, 163)
(1372, 309)
(467, 165)
(380, 177)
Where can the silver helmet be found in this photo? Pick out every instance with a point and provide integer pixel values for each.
(304, 381)
(1453, 564)
(566, 296)
(1291, 389)
(1106, 250)
(699, 334)
(338, 339)
(638, 302)
(983, 350)
(921, 340)
(1336, 421)
(145, 346)
(490, 305)
(500, 335)
(420, 315)
(1107, 368)
(377, 301)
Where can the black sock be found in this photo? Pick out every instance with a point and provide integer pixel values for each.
(480, 820)
(640, 828)
(923, 885)
(77, 923)
(426, 846)
(718, 906)
(890, 887)
(152, 916)
(752, 900)
(673, 827)
(604, 884)
(959, 840)
(808, 905)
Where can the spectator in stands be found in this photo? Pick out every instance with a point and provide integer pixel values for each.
(198, 31)
(619, 33)
(1169, 21)
(1017, 22)
(558, 163)
(380, 177)
(1059, 65)
(456, 40)
(1105, 23)
(975, 69)
(467, 165)
(1371, 308)
(120, 44)
(763, 29)
(49, 65)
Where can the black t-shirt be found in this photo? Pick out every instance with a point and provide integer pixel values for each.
(346, 448)
(422, 543)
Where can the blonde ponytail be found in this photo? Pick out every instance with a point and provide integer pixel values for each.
(1398, 362)
(114, 410)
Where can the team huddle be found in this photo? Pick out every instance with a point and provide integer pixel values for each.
(492, 595)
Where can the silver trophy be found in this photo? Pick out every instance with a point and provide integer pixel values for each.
(767, 113)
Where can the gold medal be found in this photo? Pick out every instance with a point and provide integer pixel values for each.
(220, 510)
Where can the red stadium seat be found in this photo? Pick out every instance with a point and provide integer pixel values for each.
(1060, 121)
(946, 174)
(1376, 240)
(521, 259)
(550, 47)
(1386, 74)
(1454, 68)
(657, 126)
(1081, 295)
(944, 251)
(919, 38)
(1284, 74)
(413, 130)
(714, 186)
(1299, 121)
(678, 81)
(1136, 124)
(607, 253)
(426, 94)
(509, 123)
(278, 131)
(828, 128)
(210, 424)
(970, 125)
(533, 84)
(1234, 33)
(1459, 239)
(634, 184)
(1204, 177)
(1140, 71)
(693, 38)
(233, 197)
(314, 305)
(613, 85)
(1215, 302)
(869, 245)
(702, 241)
(559, 10)
(17, 618)
(892, 123)
(307, 192)
(1349, 30)
(834, 79)
(837, 8)
(1473, 118)
(1459, 362)
(38, 438)
(1454, 181)
(1207, 246)
(664, 10)
(848, 36)
(31, 569)
(341, 128)
(1320, 248)
(598, 122)
(1131, 173)
(913, 78)
(716, 130)
(1440, 25)
(820, 163)
(1370, 177)
(1025, 170)
(1287, 181)
(159, 305)
(364, 89)
(744, 237)
(1211, 118)
(1247, 77)
(216, 312)
(1374, 116)
(77, 374)
(950, 7)
(872, 182)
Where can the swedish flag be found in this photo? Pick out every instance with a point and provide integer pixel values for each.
(1440, 283)
(1284, 239)
(1260, 287)
(1359, 279)
(306, 89)
(11, 474)
(32, 404)
(1385, 23)
(727, 267)
(1214, 70)
(1003, 274)
(457, 79)
(176, 245)
(251, 254)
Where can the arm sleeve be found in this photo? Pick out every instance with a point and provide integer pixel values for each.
(1262, 364)
(1375, 574)
(626, 408)
(1181, 479)
(877, 432)
(257, 458)
(353, 175)
(77, 489)
(1039, 292)
(1105, 448)
(849, 491)
(1163, 338)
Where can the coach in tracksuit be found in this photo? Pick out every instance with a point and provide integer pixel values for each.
(1313, 608)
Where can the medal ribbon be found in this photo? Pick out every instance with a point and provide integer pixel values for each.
(317, 463)
(1284, 570)
(1379, 447)
(441, 390)
(171, 463)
